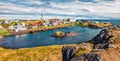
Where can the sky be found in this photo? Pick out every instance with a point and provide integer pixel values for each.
(82, 9)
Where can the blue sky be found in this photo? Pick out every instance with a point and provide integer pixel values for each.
(101, 9)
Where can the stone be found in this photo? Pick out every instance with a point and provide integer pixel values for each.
(107, 35)
(87, 57)
(101, 46)
(68, 52)
(87, 46)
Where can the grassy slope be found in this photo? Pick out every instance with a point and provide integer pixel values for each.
(4, 32)
(43, 53)
(31, 54)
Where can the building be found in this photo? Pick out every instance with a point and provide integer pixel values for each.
(72, 20)
(18, 27)
(55, 21)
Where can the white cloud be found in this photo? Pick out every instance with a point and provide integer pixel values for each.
(32, 2)
(101, 8)
(93, 8)
(14, 8)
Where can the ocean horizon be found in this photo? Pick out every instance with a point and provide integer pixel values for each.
(32, 17)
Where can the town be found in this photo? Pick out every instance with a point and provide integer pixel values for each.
(17, 27)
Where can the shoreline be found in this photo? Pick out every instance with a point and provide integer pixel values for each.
(29, 31)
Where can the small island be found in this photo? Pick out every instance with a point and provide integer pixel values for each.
(59, 34)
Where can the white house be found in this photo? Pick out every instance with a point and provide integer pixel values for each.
(11, 27)
(18, 27)
(65, 21)
(72, 20)
(96, 22)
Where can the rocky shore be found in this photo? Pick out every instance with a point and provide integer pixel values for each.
(104, 47)
(96, 25)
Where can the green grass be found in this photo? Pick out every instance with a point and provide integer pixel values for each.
(4, 32)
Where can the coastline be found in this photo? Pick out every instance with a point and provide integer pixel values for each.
(93, 50)
(55, 27)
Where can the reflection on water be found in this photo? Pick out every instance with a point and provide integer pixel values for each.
(44, 38)
(19, 36)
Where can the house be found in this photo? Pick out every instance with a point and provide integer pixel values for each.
(72, 20)
(18, 27)
(96, 22)
(55, 21)
(47, 23)
(11, 27)
(65, 21)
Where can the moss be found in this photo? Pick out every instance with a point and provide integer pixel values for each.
(81, 51)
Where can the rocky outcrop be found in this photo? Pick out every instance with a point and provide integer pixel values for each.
(68, 52)
(107, 36)
(103, 47)
(102, 37)
(87, 57)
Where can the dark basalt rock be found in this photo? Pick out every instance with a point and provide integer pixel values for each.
(87, 57)
(107, 36)
(103, 37)
(102, 41)
(101, 46)
(68, 52)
